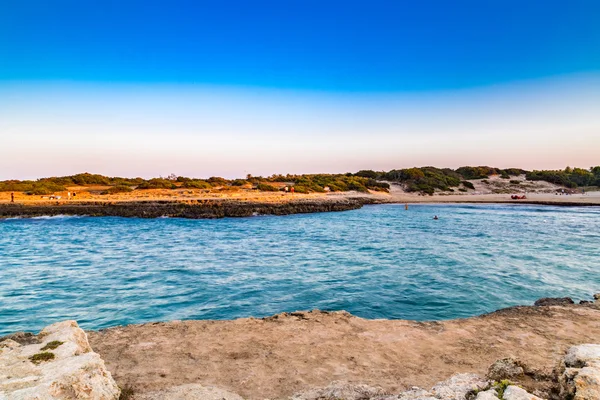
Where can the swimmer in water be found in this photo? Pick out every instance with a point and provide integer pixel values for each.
(436, 217)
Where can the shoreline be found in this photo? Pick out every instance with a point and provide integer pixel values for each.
(228, 207)
(294, 354)
(275, 357)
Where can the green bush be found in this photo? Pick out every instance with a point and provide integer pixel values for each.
(239, 182)
(264, 187)
(196, 184)
(468, 184)
(117, 189)
(301, 189)
(157, 183)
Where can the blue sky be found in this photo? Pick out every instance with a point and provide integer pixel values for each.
(103, 85)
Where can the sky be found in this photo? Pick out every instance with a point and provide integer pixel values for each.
(229, 88)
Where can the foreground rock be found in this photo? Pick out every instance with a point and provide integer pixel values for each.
(56, 364)
(278, 356)
(506, 368)
(455, 388)
(189, 392)
(580, 379)
(517, 393)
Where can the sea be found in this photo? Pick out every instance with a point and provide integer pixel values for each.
(381, 261)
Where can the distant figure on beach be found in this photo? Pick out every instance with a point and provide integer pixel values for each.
(406, 206)
(292, 190)
(68, 195)
(12, 197)
(435, 217)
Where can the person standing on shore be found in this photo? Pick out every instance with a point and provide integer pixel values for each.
(12, 197)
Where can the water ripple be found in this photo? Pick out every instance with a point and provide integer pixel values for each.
(377, 262)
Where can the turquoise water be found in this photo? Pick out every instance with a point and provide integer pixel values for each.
(377, 262)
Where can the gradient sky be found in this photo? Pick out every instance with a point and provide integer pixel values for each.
(202, 88)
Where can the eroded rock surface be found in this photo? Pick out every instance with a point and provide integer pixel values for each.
(516, 393)
(554, 301)
(505, 368)
(490, 394)
(189, 392)
(580, 379)
(457, 387)
(58, 364)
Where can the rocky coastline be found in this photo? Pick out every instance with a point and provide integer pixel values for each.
(548, 351)
(193, 209)
(222, 208)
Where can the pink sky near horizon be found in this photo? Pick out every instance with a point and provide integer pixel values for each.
(62, 128)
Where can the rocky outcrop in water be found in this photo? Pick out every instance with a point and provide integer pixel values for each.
(554, 301)
(56, 364)
(194, 209)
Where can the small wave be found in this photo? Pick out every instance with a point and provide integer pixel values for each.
(47, 217)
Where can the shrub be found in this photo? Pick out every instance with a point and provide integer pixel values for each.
(468, 184)
(196, 184)
(264, 187)
(239, 182)
(300, 189)
(367, 174)
(117, 189)
(44, 188)
(515, 182)
(157, 183)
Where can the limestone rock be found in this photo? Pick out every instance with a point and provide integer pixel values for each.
(342, 391)
(67, 368)
(580, 379)
(554, 301)
(457, 386)
(487, 395)
(516, 393)
(189, 392)
(415, 394)
(582, 356)
(597, 297)
(505, 368)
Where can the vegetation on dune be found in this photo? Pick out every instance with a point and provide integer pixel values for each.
(117, 189)
(569, 177)
(426, 180)
(265, 187)
(468, 184)
(157, 183)
(39, 187)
